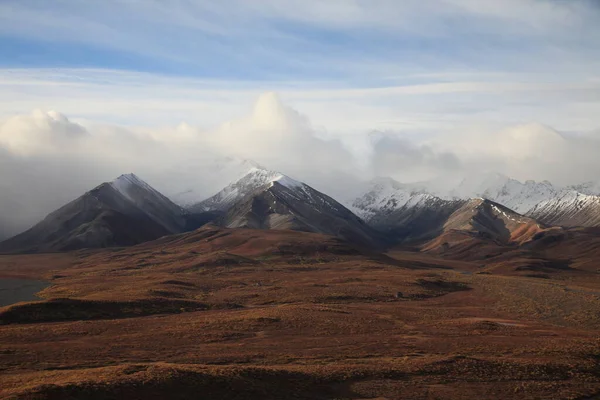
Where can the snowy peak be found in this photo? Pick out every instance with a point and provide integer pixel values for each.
(569, 208)
(253, 180)
(509, 192)
(217, 172)
(265, 199)
(141, 193)
(589, 188)
(125, 211)
(129, 190)
(384, 195)
(288, 182)
(126, 184)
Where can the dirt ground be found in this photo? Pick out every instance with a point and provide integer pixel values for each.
(235, 314)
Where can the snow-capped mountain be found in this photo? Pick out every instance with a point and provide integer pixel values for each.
(220, 171)
(253, 179)
(264, 199)
(150, 201)
(125, 211)
(403, 211)
(591, 188)
(516, 195)
(384, 195)
(569, 208)
(577, 205)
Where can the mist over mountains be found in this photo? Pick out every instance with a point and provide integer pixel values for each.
(47, 160)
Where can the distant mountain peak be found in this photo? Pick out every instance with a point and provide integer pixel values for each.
(266, 199)
(130, 177)
(288, 182)
(222, 171)
(127, 183)
(254, 179)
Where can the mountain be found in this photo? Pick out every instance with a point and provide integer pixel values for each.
(125, 211)
(254, 178)
(493, 220)
(479, 222)
(192, 190)
(384, 195)
(569, 208)
(404, 212)
(577, 205)
(409, 214)
(516, 195)
(590, 188)
(264, 199)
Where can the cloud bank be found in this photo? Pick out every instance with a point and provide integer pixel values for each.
(47, 160)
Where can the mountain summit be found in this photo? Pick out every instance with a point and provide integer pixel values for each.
(265, 199)
(122, 212)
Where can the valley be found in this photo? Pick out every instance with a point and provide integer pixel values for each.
(238, 313)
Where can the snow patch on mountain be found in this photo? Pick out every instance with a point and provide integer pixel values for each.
(216, 175)
(386, 195)
(254, 179)
(518, 196)
(567, 204)
(126, 182)
(589, 188)
(288, 182)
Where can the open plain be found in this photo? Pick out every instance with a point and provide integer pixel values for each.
(243, 314)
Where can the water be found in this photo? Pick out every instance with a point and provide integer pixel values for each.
(14, 290)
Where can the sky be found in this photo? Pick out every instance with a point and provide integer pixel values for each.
(329, 92)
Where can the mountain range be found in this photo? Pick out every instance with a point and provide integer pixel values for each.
(384, 212)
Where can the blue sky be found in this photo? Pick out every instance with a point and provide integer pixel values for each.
(300, 40)
(296, 47)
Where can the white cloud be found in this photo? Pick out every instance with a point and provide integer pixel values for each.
(447, 102)
(40, 132)
(47, 160)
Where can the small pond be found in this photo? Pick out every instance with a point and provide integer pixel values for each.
(14, 290)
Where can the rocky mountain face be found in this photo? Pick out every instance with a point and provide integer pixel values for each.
(488, 206)
(393, 206)
(403, 212)
(569, 208)
(493, 220)
(482, 226)
(151, 202)
(123, 212)
(254, 179)
(266, 199)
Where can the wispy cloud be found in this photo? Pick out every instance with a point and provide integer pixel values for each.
(444, 103)
(347, 40)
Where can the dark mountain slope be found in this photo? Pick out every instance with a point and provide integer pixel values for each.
(123, 212)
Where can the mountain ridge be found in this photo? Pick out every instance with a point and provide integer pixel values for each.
(124, 211)
(265, 199)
